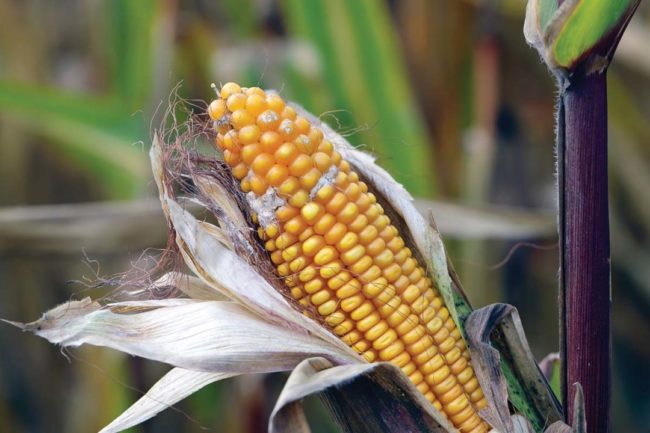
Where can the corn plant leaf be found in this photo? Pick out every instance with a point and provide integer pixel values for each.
(589, 22)
(361, 33)
(570, 33)
(100, 140)
(207, 336)
(173, 387)
(130, 33)
(364, 398)
(510, 365)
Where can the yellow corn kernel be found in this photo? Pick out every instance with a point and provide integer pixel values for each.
(339, 253)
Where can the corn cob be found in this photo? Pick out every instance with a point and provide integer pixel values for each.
(338, 252)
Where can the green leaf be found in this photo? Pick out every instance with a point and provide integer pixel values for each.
(92, 131)
(366, 80)
(586, 26)
(130, 31)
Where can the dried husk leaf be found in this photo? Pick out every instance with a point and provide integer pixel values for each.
(500, 323)
(173, 387)
(364, 398)
(218, 266)
(189, 285)
(208, 336)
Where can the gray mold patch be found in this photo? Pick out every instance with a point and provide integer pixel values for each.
(326, 179)
(265, 205)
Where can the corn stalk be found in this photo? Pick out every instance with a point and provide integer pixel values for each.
(577, 39)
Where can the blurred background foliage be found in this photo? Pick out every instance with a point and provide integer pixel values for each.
(445, 93)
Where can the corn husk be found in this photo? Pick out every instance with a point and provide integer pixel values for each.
(236, 319)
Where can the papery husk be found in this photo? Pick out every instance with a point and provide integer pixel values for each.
(508, 369)
(364, 398)
(173, 387)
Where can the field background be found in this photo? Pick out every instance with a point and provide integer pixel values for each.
(446, 93)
